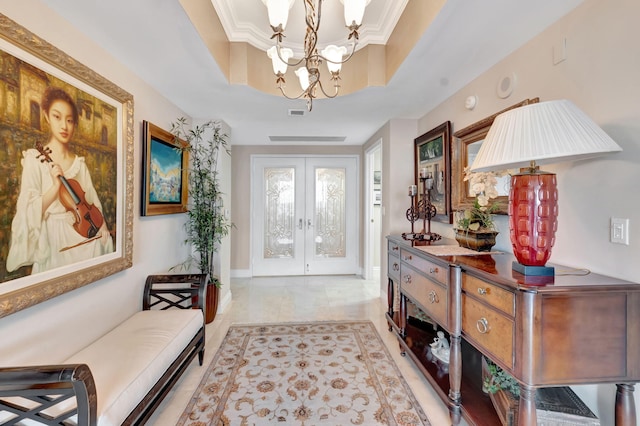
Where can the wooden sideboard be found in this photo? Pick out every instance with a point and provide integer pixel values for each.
(574, 328)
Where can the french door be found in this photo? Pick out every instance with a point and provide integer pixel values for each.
(304, 216)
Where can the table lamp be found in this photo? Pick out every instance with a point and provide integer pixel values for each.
(525, 138)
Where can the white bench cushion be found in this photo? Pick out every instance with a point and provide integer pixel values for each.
(130, 359)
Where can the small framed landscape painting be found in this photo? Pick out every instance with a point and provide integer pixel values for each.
(165, 168)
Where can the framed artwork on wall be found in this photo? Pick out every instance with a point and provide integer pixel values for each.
(67, 169)
(432, 153)
(164, 172)
(377, 177)
(466, 144)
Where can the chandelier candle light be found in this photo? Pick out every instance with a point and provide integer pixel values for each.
(309, 74)
(527, 137)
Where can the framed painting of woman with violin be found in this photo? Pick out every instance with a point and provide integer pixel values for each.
(66, 216)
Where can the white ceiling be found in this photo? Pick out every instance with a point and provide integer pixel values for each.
(156, 40)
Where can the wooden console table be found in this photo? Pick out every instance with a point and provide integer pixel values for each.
(565, 330)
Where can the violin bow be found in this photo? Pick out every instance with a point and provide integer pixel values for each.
(88, 240)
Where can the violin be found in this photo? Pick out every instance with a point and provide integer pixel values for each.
(88, 218)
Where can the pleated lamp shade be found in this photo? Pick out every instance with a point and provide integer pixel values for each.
(526, 137)
(546, 132)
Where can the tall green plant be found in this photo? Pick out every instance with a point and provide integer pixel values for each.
(206, 224)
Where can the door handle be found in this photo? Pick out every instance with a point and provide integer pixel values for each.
(300, 224)
(308, 223)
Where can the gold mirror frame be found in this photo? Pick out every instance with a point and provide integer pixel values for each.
(461, 140)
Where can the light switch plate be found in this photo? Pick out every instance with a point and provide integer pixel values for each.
(619, 230)
(560, 51)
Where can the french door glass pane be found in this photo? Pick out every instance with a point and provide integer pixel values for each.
(330, 220)
(279, 220)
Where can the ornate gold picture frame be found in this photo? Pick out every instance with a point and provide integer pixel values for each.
(463, 140)
(100, 115)
(432, 153)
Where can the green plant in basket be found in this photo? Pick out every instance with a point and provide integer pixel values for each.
(499, 379)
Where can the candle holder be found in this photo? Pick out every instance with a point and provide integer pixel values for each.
(424, 210)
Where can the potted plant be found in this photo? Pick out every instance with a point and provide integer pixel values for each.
(475, 228)
(556, 405)
(206, 223)
(503, 390)
(496, 379)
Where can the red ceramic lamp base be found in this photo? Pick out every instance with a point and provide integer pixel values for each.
(533, 220)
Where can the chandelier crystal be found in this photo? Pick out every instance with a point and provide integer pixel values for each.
(334, 56)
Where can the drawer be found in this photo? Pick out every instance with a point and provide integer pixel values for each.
(489, 293)
(431, 297)
(393, 249)
(393, 267)
(489, 328)
(429, 269)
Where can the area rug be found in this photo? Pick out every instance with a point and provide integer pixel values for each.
(315, 373)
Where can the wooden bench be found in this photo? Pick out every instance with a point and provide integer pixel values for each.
(122, 377)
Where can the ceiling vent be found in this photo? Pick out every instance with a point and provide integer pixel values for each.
(307, 139)
(296, 112)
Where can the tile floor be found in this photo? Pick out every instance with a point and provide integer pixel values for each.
(283, 299)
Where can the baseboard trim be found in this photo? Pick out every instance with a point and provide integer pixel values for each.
(241, 273)
(224, 302)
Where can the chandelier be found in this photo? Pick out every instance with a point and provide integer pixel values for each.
(334, 56)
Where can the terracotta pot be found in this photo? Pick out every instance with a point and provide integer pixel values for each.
(476, 240)
(211, 301)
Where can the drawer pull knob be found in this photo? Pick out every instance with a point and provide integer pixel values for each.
(433, 297)
(433, 270)
(482, 291)
(407, 257)
(394, 248)
(396, 267)
(482, 325)
(407, 279)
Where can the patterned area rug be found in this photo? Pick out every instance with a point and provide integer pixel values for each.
(316, 373)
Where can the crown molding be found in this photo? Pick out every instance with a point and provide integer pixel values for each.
(247, 22)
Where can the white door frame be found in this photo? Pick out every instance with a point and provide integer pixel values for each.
(356, 210)
(369, 168)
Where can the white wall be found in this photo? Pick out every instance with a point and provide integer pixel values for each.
(64, 324)
(600, 75)
(397, 152)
